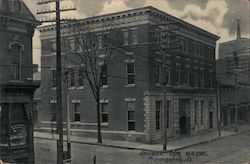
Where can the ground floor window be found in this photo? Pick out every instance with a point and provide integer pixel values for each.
(104, 113)
(4, 125)
(158, 107)
(13, 125)
(131, 115)
(77, 114)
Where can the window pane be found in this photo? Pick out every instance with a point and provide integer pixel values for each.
(104, 117)
(125, 37)
(158, 104)
(130, 68)
(4, 125)
(72, 77)
(131, 115)
(134, 37)
(131, 125)
(77, 116)
(131, 79)
(157, 115)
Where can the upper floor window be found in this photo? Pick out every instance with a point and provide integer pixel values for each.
(130, 72)
(81, 76)
(16, 59)
(210, 79)
(53, 76)
(104, 74)
(158, 70)
(72, 77)
(72, 45)
(125, 37)
(99, 41)
(134, 36)
(196, 77)
(202, 78)
(198, 49)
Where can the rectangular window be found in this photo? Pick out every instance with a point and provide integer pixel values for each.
(104, 113)
(196, 107)
(53, 73)
(104, 75)
(210, 79)
(125, 38)
(16, 70)
(134, 36)
(167, 73)
(202, 108)
(158, 72)
(130, 73)
(77, 115)
(202, 80)
(53, 111)
(99, 41)
(131, 115)
(178, 74)
(72, 77)
(81, 76)
(72, 46)
(53, 46)
(158, 106)
(196, 77)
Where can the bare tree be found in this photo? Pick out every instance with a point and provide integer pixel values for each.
(95, 55)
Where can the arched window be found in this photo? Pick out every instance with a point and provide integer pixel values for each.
(16, 48)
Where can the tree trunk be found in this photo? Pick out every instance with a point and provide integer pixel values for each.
(99, 135)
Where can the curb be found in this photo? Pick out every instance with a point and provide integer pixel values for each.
(145, 149)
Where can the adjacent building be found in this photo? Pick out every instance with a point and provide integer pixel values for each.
(132, 94)
(17, 26)
(231, 53)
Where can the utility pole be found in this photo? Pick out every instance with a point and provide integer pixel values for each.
(59, 111)
(165, 46)
(218, 107)
(236, 72)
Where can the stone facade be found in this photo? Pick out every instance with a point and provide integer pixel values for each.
(132, 40)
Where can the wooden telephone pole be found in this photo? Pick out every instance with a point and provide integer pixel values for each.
(166, 29)
(59, 111)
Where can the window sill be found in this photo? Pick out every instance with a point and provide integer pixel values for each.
(130, 86)
(80, 88)
(158, 84)
(72, 88)
(53, 89)
(104, 124)
(104, 86)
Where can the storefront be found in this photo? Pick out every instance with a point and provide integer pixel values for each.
(16, 128)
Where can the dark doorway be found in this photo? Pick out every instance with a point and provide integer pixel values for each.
(184, 125)
(211, 120)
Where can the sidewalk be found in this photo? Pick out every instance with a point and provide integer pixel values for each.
(171, 145)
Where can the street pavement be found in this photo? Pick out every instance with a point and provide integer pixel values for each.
(233, 149)
(207, 148)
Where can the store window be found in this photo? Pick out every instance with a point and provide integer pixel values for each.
(4, 125)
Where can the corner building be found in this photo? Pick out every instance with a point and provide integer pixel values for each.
(17, 26)
(132, 97)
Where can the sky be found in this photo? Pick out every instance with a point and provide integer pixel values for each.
(216, 16)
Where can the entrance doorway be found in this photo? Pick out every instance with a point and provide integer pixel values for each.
(211, 120)
(184, 118)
